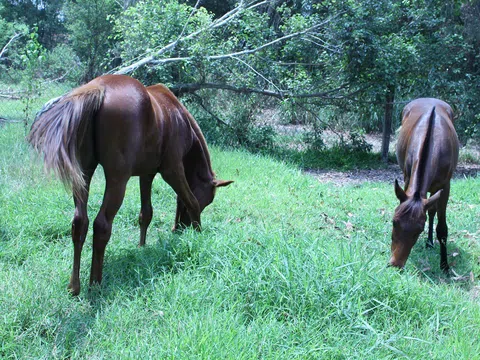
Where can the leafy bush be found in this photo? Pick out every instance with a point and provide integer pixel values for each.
(233, 123)
(63, 64)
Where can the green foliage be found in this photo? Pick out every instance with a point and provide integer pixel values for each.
(90, 27)
(338, 157)
(44, 15)
(150, 25)
(8, 31)
(32, 57)
(350, 151)
(239, 124)
(418, 48)
(422, 48)
(62, 64)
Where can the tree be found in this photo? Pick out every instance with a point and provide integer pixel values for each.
(90, 29)
(44, 15)
(11, 36)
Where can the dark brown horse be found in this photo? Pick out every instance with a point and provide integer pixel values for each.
(427, 152)
(130, 130)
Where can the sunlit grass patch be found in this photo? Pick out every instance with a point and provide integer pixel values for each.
(285, 267)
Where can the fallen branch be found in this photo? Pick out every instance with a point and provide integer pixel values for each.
(10, 97)
(14, 37)
(180, 89)
(215, 24)
(191, 88)
(238, 53)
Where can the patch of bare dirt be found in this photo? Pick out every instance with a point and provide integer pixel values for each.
(392, 171)
(468, 163)
(388, 174)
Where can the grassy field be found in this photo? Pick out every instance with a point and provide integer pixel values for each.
(286, 268)
(23, 104)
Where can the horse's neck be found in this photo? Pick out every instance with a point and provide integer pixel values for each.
(201, 141)
(199, 166)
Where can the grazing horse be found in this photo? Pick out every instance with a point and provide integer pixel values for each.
(427, 152)
(130, 130)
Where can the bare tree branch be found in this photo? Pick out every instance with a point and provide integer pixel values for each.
(194, 10)
(191, 88)
(153, 59)
(261, 47)
(14, 37)
(12, 97)
(245, 52)
(179, 89)
(208, 111)
(236, 54)
(217, 23)
(258, 73)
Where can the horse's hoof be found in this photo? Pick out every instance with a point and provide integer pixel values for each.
(74, 290)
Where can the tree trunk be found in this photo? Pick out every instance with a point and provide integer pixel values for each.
(387, 122)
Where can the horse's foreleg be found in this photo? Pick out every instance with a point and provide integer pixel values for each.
(177, 180)
(146, 211)
(102, 226)
(431, 217)
(79, 233)
(178, 215)
(442, 228)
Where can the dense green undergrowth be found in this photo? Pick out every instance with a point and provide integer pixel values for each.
(286, 267)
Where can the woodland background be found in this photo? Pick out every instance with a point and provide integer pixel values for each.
(278, 76)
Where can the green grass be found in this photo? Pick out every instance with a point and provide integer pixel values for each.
(15, 109)
(332, 158)
(286, 268)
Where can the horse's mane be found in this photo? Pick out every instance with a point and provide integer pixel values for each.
(201, 138)
(425, 153)
(182, 110)
(413, 207)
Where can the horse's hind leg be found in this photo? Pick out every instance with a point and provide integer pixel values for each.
(146, 211)
(79, 233)
(431, 217)
(102, 226)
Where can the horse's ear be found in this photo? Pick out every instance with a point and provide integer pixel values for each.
(432, 200)
(400, 193)
(221, 183)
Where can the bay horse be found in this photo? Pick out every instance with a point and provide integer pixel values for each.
(427, 152)
(131, 130)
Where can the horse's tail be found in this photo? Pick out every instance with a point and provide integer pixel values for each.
(59, 130)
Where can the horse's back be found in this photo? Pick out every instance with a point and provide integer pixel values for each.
(173, 119)
(125, 133)
(423, 106)
(443, 142)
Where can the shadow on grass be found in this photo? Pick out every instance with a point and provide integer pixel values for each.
(427, 262)
(126, 272)
(335, 158)
(134, 268)
(4, 236)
